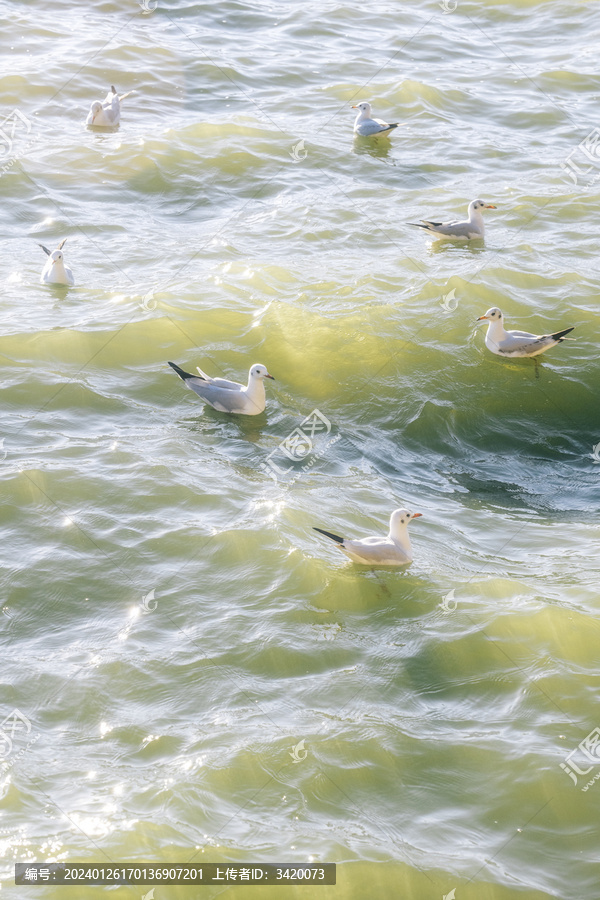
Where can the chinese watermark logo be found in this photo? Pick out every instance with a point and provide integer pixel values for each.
(448, 6)
(449, 301)
(584, 758)
(14, 126)
(148, 302)
(298, 152)
(299, 444)
(14, 723)
(448, 603)
(148, 602)
(9, 126)
(299, 753)
(589, 149)
(148, 7)
(595, 453)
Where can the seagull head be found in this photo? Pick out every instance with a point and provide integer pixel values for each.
(56, 256)
(95, 108)
(478, 205)
(364, 107)
(493, 314)
(260, 372)
(400, 518)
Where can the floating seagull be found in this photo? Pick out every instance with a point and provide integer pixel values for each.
(55, 271)
(109, 111)
(473, 227)
(517, 343)
(366, 126)
(229, 396)
(393, 550)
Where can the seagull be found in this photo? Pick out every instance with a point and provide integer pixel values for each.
(229, 396)
(393, 550)
(517, 343)
(109, 111)
(473, 227)
(366, 126)
(55, 271)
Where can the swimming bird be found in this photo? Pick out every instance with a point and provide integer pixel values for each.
(230, 396)
(109, 111)
(517, 343)
(55, 271)
(393, 550)
(366, 126)
(470, 229)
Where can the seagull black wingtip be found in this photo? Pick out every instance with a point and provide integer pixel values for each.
(560, 335)
(334, 537)
(183, 375)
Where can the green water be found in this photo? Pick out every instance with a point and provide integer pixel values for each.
(203, 232)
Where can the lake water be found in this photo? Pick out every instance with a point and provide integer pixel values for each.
(199, 675)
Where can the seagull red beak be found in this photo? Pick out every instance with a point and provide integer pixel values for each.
(269, 376)
(482, 317)
(490, 206)
(416, 515)
(354, 107)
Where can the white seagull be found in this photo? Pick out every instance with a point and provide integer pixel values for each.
(366, 126)
(517, 343)
(109, 111)
(393, 550)
(229, 396)
(470, 229)
(55, 271)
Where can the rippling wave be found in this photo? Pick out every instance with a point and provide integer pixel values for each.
(231, 219)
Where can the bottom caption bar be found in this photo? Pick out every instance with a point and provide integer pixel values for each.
(174, 873)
